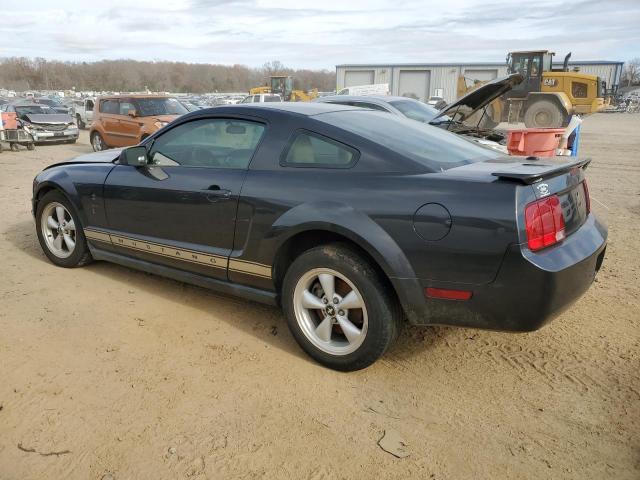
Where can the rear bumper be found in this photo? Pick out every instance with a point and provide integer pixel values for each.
(530, 288)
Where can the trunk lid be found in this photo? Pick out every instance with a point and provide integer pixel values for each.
(538, 179)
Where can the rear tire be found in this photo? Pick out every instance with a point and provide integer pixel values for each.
(31, 146)
(544, 114)
(361, 304)
(67, 246)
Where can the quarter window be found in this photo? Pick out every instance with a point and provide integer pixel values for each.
(214, 143)
(310, 150)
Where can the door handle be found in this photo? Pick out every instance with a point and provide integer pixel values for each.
(215, 193)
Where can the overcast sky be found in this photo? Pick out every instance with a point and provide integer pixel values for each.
(318, 34)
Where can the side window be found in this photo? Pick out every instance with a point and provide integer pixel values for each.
(256, 99)
(125, 106)
(109, 106)
(211, 142)
(310, 150)
(89, 105)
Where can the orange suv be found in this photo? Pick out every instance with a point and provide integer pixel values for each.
(124, 120)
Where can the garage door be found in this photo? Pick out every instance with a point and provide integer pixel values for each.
(480, 74)
(414, 84)
(353, 78)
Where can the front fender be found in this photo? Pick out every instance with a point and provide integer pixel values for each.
(81, 183)
(56, 179)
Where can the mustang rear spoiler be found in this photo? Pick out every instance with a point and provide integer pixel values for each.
(531, 171)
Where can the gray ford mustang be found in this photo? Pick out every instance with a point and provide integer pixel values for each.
(354, 221)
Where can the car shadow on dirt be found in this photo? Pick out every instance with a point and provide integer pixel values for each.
(264, 322)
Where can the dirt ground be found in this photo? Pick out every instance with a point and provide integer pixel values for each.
(111, 373)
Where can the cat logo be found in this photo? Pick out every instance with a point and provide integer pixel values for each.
(543, 189)
(550, 82)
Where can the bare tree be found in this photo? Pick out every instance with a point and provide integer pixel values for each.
(631, 72)
(130, 75)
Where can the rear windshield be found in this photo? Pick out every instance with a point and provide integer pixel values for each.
(433, 147)
(272, 98)
(147, 107)
(416, 110)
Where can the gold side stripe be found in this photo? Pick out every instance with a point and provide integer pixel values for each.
(185, 255)
(250, 268)
(95, 235)
(170, 252)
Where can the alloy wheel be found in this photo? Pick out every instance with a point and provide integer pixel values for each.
(330, 311)
(97, 142)
(58, 230)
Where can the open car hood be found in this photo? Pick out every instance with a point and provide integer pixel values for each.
(479, 98)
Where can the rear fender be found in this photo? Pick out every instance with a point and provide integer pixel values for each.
(358, 228)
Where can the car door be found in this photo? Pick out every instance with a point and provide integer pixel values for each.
(109, 119)
(180, 210)
(88, 110)
(129, 125)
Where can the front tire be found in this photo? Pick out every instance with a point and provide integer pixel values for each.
(60, 232)
(544, 114)
(339, 309)
(97, 142)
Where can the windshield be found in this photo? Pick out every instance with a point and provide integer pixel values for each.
(431, 146)
(34, 109)
(47, 101)
(416, 110)
(147, 107)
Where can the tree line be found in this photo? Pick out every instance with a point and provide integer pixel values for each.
(20, 74)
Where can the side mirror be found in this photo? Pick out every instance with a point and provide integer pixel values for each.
(134, 156)
(131, 113)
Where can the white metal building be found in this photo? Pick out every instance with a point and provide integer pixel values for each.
(423, 80)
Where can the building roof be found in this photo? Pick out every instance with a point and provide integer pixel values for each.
(468, 64)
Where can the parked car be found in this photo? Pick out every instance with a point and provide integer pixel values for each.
(464, 116)
(123, 120)
(262, 98)
(83, 111)
(43, 124)
(349, 218)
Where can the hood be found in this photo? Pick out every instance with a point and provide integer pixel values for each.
(106, 156)
(480, 97)
(50, 118)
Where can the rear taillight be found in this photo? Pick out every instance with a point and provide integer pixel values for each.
(544, 223)
(587, 199)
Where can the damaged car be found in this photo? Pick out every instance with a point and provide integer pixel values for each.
(466, 116)
(43, 124)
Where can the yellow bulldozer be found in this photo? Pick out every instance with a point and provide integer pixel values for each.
(283, 86)
(547, 97)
